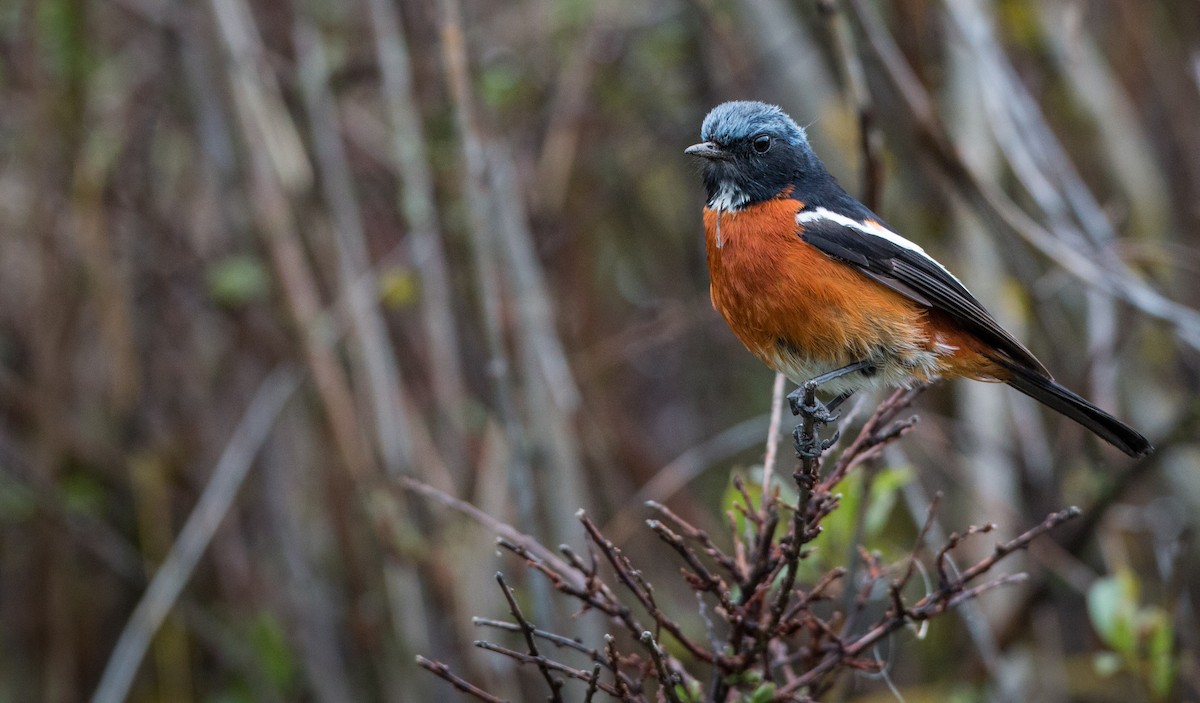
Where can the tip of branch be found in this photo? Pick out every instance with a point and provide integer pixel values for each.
(1073, 511)
(652, 504)
(580, 513)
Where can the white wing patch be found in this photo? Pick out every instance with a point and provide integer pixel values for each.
(870, 228)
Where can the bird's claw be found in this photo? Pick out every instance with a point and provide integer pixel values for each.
(811, 447)
(818, 411)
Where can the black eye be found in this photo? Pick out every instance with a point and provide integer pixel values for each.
(762, 143)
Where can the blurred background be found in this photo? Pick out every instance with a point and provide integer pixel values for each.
(261, 259)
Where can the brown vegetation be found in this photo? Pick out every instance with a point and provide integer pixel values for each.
(264, 264)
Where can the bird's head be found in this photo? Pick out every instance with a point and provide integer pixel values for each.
(752, 151)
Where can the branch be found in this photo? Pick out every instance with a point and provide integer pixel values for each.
(528, 630)
(441, 670)
(641, 590)
(543, 663)
(235, 462)
(666, 680)
(948, 595)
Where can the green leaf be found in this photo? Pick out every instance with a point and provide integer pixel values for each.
(270, 645)
(884, 491)
(18, 502)
(1112, 607)
(397, 288)
(82, 494)
(1106, 663)
(1160, 652)
(763, 694)
(238, 280)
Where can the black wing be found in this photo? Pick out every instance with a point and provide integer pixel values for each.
(916, 276)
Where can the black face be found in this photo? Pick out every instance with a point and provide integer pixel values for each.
(750, 169)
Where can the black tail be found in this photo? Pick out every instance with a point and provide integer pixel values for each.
(1105, 426)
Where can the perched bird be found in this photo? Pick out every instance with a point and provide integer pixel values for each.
(821, 289)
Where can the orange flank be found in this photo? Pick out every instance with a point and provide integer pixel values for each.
(803, 313)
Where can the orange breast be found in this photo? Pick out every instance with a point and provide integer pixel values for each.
(804, 313)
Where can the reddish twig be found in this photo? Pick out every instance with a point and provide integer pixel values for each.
(528, 630)
(614, 663)
(544, 663)
(710, 548)
(949, 595)
(442, 671)
(641, 590)
(666, 679)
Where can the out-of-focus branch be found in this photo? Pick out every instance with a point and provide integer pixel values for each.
(1106, 275)
(278, 166)
(772, 450)
(382, 382)
(550, 395)
(490, 523)
(419, 209)
(197, 532)
(855, 83)
(485, 252)
(678, 472)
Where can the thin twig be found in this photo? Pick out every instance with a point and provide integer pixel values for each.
(1021, 542)
(922, 534)
(441, 670)
(952, 542)
(498, 527)
(666, 679)
(876, 432)
(542, 661)
(557, 640)
(710, 548)
(593, 684)
(702, 577)
(947, 596)
(634, 581)
(614, 663)
(528, 630)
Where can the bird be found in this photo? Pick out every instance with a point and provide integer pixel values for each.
(823, 290)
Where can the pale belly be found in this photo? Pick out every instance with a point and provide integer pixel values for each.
(890, 368)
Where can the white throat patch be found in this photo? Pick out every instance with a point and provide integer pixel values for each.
(728, 198)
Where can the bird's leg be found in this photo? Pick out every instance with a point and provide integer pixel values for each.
(803, 401)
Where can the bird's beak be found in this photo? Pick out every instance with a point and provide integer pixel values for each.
(707, 150)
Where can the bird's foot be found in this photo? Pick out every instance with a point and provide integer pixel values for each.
(818, 411)
(815, 414)
(812, 446)
(803, 401)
